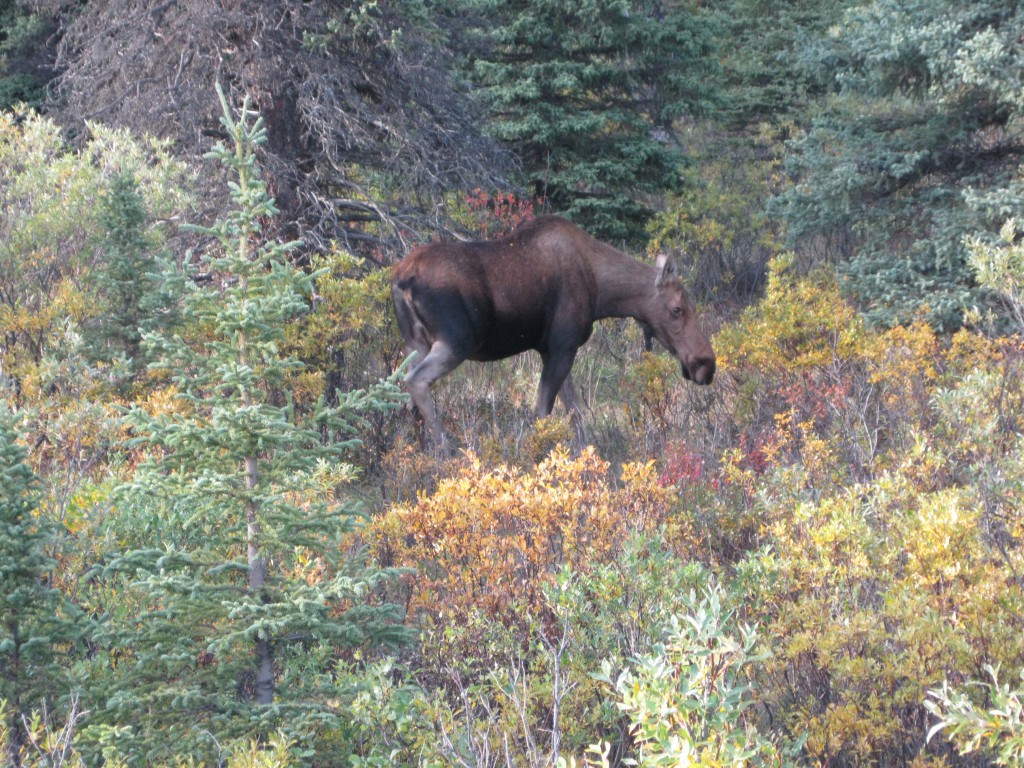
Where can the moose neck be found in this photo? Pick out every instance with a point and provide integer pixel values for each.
(625, 286)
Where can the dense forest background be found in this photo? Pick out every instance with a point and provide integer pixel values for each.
(221, 542)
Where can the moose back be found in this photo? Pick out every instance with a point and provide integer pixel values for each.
(541, 287)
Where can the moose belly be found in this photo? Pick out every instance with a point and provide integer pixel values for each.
(507, 339)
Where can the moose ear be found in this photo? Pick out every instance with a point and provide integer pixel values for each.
(666, 269)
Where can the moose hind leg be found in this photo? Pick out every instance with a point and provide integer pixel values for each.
(438, 361)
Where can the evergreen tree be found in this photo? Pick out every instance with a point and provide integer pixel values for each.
(26, 53)
(765, 77)
(248, 600)
(133, 300)
(31, 612)
(586, 92)
(919, 149)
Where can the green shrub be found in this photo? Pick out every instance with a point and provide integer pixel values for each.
(996, 730)
(689, 701)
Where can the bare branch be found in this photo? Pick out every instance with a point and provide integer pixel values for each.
(351, 96)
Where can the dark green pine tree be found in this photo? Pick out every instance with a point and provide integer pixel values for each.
(132, 300)
(26, 53)
(765, 78)
(586, 93)
(247, 597)
(33, 616)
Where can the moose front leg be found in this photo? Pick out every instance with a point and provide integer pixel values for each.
(556, 380)
(572, 406)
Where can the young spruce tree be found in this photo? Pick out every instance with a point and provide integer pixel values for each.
(131, 299)
(33, 619)
(248, 599)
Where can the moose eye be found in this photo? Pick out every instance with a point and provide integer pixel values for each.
(677, 311)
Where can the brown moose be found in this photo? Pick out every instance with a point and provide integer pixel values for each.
(541, 287)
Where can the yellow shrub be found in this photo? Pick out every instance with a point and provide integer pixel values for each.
(801, 323)
(349, 339)
(969, 350)
(882, 590)
(904, 365)
(490, 539)
(944, 533)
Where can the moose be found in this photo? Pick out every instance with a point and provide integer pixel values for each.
(541, 287)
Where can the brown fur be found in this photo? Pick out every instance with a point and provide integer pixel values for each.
(542, 287)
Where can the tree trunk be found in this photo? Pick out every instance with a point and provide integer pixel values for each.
(257, 579)
(14, 727)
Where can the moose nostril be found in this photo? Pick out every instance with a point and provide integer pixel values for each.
(704, 371)
(700, 371)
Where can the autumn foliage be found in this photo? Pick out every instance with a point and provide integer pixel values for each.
(865, 513)
(817, 561)
(491, 538)
(497, 214)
